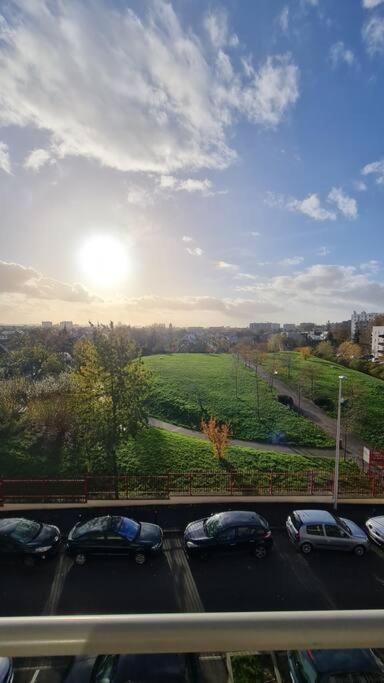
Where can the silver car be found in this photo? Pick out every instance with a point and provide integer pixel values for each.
(375, 529)
(309, 529)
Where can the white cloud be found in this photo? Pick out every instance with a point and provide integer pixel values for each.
(254, 233)
(373, 35)
(371, 266)
(186, 238)
(245, 276)
(360, 186)
(339, 54)
(345, 204)
(293, 261)
(274, 89)
(376, 168)
(135, 93)
(223, 265)
(283, 19)
(5, 163)
(18, 279)
(370, 4)
(310, 206)
(139, 196)
(216, 25)
(36, 159)
(195, 251)
(323, 251)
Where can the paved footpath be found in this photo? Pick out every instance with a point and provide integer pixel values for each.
(259, 445)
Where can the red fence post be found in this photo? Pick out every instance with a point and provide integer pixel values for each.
(271, 483)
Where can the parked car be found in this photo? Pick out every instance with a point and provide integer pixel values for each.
(228, 531)
(310, 529)
(127, 669)
(6, 670)
(27, 539)
(330, 666)
(375, 529)
(114, 535)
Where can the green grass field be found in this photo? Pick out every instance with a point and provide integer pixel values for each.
(188, 386)
(370, 390)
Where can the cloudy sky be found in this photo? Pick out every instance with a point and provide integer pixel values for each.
(190, 161)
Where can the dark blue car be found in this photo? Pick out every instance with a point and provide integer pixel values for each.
(231, 531)
(114, 535)
(335, 666)
(167, 668)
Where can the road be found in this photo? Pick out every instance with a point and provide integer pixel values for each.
(285, 580)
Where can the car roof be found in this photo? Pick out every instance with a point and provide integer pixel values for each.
(9, 523)
(379, 521)
(315, 516)
(343, 661)
(239, 517)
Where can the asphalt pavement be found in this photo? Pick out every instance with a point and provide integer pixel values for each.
(285, 580)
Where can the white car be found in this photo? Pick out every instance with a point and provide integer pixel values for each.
(375, 529)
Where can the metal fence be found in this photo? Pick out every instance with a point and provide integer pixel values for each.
(194, 483)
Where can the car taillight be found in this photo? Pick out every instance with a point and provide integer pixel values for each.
(268, 534)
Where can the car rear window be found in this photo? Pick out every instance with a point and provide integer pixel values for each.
(128, 528)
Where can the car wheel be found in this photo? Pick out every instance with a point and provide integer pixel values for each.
(140, 558)
(260, 551)
(359, 551)
(80, 559)
(29, 561)
(306, 548)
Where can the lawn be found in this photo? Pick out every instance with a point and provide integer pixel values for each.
(369, 390)
(189, 386)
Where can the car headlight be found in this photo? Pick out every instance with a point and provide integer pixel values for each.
(191, 545)
(43, 550)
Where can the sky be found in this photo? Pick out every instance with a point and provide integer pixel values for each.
(193, 162)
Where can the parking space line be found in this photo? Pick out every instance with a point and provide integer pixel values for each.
(35, 675)
(63, 567)
(305, 575)
(187, 595)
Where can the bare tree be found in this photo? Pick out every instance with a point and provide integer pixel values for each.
(218, 435)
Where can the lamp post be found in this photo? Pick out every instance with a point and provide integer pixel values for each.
(274, 373)
(337, 454)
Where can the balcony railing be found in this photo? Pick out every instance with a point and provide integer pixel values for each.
(208, 632)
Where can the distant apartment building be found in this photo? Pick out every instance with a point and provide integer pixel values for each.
(46, 324)
(264, 328)
(360, 321)
(66, 325)
(378, 342)
(289, 327)
(318, 334)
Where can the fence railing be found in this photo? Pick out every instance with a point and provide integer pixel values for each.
(194, 483)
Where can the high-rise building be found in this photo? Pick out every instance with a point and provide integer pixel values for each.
(264, 328)
(360, 321)
(66, 325)
(378, 342)
(46, 324)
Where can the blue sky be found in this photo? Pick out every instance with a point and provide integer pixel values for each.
(194, 162)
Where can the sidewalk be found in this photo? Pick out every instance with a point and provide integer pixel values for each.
(189, 500)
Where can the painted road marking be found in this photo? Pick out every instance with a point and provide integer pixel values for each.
(35, 675)
(63, 568)
(187, 595)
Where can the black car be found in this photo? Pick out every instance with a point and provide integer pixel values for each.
(6, 670)
(329, 666)
(127, 669)
(234, 530)
(114, 535)
(30, 540)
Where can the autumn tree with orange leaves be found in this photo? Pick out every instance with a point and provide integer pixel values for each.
(218, 435)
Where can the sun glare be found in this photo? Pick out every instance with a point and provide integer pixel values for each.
(104, 260)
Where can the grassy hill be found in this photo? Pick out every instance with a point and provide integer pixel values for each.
(188, 386)
(369, 391)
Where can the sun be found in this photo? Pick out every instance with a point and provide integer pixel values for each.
(104, 260)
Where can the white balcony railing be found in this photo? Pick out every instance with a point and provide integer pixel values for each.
(206, 632)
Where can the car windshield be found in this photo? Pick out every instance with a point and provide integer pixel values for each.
(343, 525)
(25, 531)
(97, 524)
(127, 528)
(212, 525)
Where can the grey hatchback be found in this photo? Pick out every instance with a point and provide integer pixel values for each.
(309, 529)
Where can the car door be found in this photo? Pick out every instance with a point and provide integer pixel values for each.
(116, 544)
(247, 537)
(93, 543)
(337, 538)
(226, 540)
(314, 534)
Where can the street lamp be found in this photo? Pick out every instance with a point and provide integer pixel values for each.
(274, 373)
(337, 455)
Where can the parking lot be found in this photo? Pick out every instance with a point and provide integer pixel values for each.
(285, 580)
